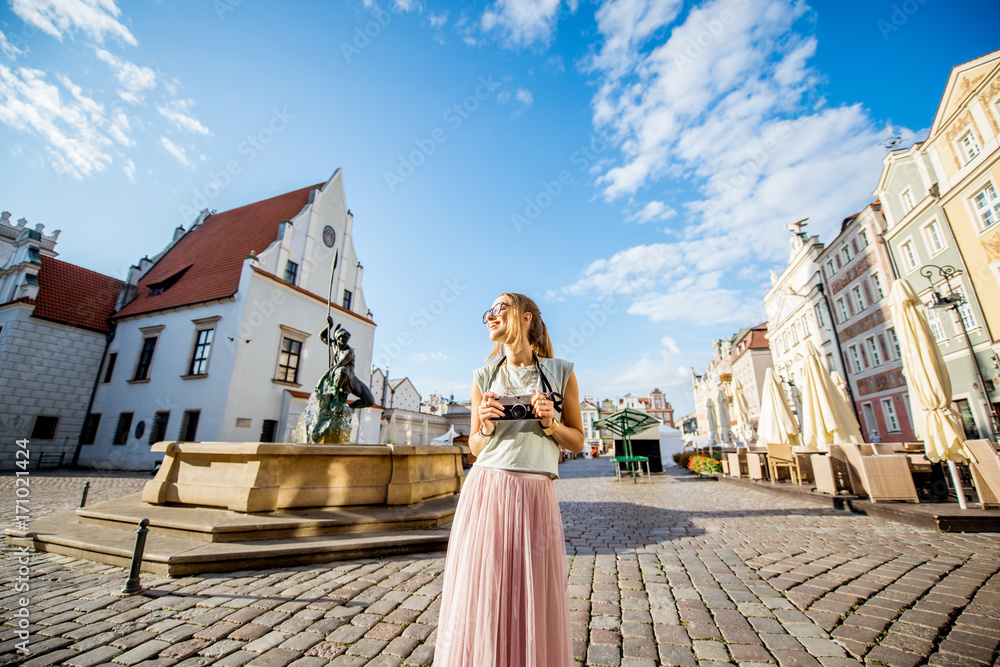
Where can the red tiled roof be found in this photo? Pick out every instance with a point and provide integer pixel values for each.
(758, 339)
(73, 295)
(213, 254)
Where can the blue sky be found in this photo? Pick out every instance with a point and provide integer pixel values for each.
(630, 164)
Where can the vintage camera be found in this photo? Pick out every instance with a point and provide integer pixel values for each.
(516, 408)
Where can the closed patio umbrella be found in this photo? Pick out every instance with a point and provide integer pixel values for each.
(928, 380)
(777, 423)
(743, 429)
(841, 385)
(826, 417)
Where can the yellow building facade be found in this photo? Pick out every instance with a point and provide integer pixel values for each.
(964, 146)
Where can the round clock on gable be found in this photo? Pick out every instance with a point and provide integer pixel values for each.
(329, 236)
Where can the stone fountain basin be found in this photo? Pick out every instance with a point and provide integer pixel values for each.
(255, 477)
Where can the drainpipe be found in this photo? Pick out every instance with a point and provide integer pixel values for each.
(888, 251)
(840, 350)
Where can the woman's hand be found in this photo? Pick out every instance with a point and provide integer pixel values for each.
(489, 409)
(543, 408)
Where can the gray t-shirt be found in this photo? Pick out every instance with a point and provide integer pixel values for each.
(521, 445)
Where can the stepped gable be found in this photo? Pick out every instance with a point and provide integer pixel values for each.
(206, 262)
(76, 296)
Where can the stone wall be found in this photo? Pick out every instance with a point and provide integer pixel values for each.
(45, 369)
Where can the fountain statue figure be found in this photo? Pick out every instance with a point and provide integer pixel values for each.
(332, 424)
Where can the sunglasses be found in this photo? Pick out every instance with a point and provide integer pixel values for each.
(494, 312)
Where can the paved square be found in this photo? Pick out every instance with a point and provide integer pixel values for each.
(681, 571)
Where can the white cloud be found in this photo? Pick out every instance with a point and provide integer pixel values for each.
(725, 107)
(438, 20)
(129, 169)
(521, 23)
(135, 79)
(7, 48)
(432, 356)
(523, 95)
(75, 127)
(654, 210)
(663, 369)
(178, 112)
(97, 19)
(177, 151)
(671, 346)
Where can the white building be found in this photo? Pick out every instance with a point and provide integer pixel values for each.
(797, 310)
(590, 413)
(216, 337)
(53, 331)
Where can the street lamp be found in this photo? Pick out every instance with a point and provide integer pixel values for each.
(953, 300)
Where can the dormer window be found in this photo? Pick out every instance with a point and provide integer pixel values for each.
(907, 197)
(291, 272)
(969, 146)
(30, 279)
(158, 288)
(33, 255)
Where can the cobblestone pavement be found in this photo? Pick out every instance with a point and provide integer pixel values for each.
(681, 571)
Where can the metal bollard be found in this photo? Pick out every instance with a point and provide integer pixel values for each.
(83, 498)
(133, 584)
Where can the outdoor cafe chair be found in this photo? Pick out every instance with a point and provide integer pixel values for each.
(984, 463)
(881, 477)
(780, 455)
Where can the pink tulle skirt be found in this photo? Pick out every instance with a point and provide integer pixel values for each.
(506, 598)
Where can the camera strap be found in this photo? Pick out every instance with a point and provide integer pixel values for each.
(557, 399)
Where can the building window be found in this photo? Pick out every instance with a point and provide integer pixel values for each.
(870, 422)
(889, 412)
(877, 286)
(202, 348)
(110, 369)
(842, 309)
(855, 358)
(159, 431)
(121, 431)
(873, 351)
(845, 254)
(829, 362)
(987, 206)
(288, 360)
(895, 341)
(269, 430)
(830, 270)
(859, 298)
(909, 255)
(969, 145)
(965, 310)
(863, 235)
(934, 322)
(89, 433)
(291, 272)
(934, 239)
(795, 333)
(907, 198)
(347, 299)
(819, 316)
(189, 425)
(145, 358)
(44, 428)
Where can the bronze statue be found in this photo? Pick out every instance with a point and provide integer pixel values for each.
(333, 414)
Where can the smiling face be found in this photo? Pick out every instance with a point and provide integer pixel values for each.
(497, 326)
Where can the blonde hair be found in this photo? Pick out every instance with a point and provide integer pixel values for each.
(538, 335)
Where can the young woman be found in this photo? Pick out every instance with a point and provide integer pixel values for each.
(505, 601)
